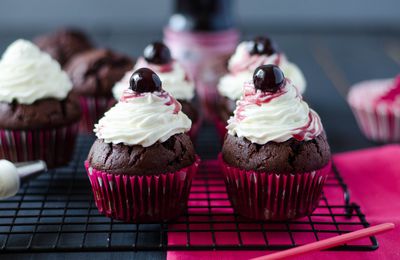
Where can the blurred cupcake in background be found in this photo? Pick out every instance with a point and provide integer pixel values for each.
(38, 114)
(247, 57)
(275, 157)
(93, 74)
(142, 164)
(63, 44)
(376, 106)
(176, 81)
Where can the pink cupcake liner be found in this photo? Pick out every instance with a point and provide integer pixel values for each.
(220, 126)
(208, 97)
(270, 196)
(380, 124)
(93, 108)
(142, 199)
(194, 130)
(54, 146)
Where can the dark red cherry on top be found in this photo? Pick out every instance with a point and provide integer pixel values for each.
(268, 78)
(157, 53)
(262, 45)
(145, 80)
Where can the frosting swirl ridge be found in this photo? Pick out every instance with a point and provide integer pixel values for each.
(262, 117)
(28, 74)
(142, 119)
(241, 66)
(172, 75)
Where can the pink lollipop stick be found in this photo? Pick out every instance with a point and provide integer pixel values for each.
(329, 242)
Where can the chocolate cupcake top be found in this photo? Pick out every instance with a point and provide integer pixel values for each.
(157, 57)
(28, 75)
(272, 109)
(144, 115)
(94, 72)
(63, 44)
(247, 57)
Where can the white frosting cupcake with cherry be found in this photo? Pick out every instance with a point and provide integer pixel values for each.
(143, 162)
(247, 57)
(176, 81)
(275, 156)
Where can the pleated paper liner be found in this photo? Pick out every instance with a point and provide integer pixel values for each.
(380, 124)
(194, 130)
(220, 126)
(270, 196)
(54, 146)
(93, 108)
(142, 199)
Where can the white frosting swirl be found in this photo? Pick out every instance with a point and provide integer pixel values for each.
(142, 119)
(241, 67)
(265, 117)
(173, 80)
(28, 74)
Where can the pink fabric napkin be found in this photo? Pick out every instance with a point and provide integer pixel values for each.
(373, 177)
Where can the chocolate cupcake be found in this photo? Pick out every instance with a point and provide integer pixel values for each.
(247, 57)
(142, 164)
(38, 114)
(93, 74)
(275, 157)
(63, 44)
(157, 57)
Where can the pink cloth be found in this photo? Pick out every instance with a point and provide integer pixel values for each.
(373, 177)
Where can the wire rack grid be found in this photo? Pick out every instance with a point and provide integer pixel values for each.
(56, 213)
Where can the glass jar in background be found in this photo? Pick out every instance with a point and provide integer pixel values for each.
(202, 35)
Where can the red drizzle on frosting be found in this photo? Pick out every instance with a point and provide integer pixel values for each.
(253, 97)
(129, 94)
(177, 105)
(307, 129)
(393, 93)
(187, 77)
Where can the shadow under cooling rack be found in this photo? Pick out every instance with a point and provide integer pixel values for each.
(56, 212)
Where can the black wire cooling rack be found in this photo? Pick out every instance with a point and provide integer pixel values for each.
(56, 212)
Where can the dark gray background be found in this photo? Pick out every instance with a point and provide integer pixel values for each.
(152, 14)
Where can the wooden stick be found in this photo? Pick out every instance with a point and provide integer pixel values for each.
(329, 242)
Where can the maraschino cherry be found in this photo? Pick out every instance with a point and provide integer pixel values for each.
(262, 45)
(145, 80)
(268, 78)
(157, 53)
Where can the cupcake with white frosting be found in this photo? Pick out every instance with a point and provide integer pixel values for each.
(275, 142)
(142, 164)
(247, 57)
(38, 114)
(157, 57)
(376, 106)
